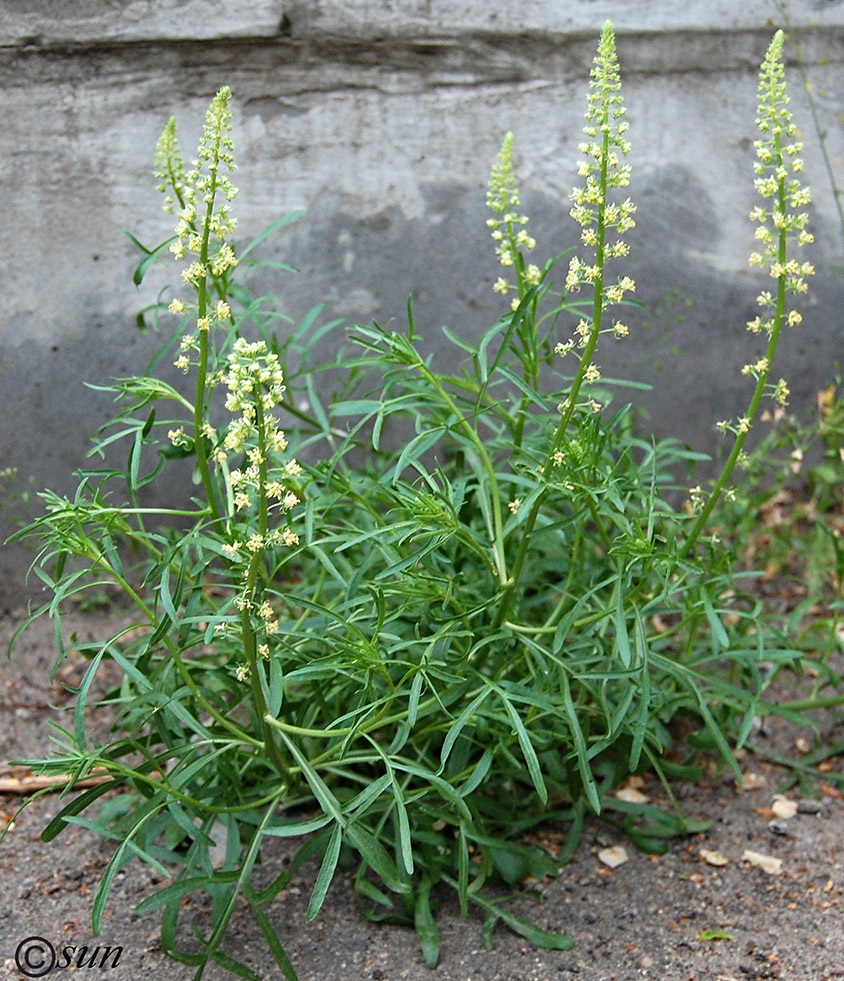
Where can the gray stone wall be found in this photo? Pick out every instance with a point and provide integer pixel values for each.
(382, 118)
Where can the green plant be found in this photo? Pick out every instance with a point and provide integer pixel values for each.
(411, 654)
(790, 529)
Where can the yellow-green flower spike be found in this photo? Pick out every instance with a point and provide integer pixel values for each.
(603, 170)
(780, 221)
(169, 167)
(503, 200)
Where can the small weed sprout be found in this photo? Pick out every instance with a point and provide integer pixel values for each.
(411, 656)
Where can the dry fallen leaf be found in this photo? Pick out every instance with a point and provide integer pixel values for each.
(613, 856)
(783, 807)
(751, 780)
(712, 857)
(776, 509)
(769, 864)
(631, 795)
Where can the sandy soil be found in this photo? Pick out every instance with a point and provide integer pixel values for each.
(651, 917)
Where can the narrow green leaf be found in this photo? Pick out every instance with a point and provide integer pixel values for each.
(377, 858)
(641, 726)
(621, 646)
(274, 227)
(326, 872)
(463, 869)
(426, 927)
(276, 949)
(175, 892)
(524, 928)
(405, 843)
(80, 707)
(719, 634)
(60, 821)
(298, 829)
(459, 723)
(580, 746)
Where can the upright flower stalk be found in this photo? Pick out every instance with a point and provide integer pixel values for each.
(512, 242)
(503, 200)
(780, 223)
(603, 223)
(255, 383)
(257, 488)
(600, 219)
(201, 232)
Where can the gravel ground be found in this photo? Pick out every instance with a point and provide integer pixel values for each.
(650, 917)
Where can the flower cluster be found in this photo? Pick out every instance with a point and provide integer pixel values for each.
(777, 162)
(503, 200)
(201, 228)
(203, 183)
(780, 220)
(602, 222)
(169, 167)
(603, 170)
(255, 383)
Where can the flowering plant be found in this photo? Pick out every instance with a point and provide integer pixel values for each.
(415, 653)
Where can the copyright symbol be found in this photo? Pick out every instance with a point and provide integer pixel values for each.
(35, 957)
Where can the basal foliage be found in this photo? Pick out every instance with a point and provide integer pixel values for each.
(410, 655)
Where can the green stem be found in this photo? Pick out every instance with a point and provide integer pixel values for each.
(254, 593)
(175, 653)
(497, 514)
(202, 374)
(761, 383)
(585, 361)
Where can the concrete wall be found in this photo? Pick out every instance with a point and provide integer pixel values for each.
(382, 118)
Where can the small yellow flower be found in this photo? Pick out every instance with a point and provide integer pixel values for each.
(533, 274)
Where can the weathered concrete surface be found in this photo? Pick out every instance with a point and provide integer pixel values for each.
(86, 21)
(382, 119)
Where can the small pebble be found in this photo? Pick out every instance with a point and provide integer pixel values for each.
(810, 806)
(778, 826)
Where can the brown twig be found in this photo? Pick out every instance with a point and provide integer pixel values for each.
(32, 782)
